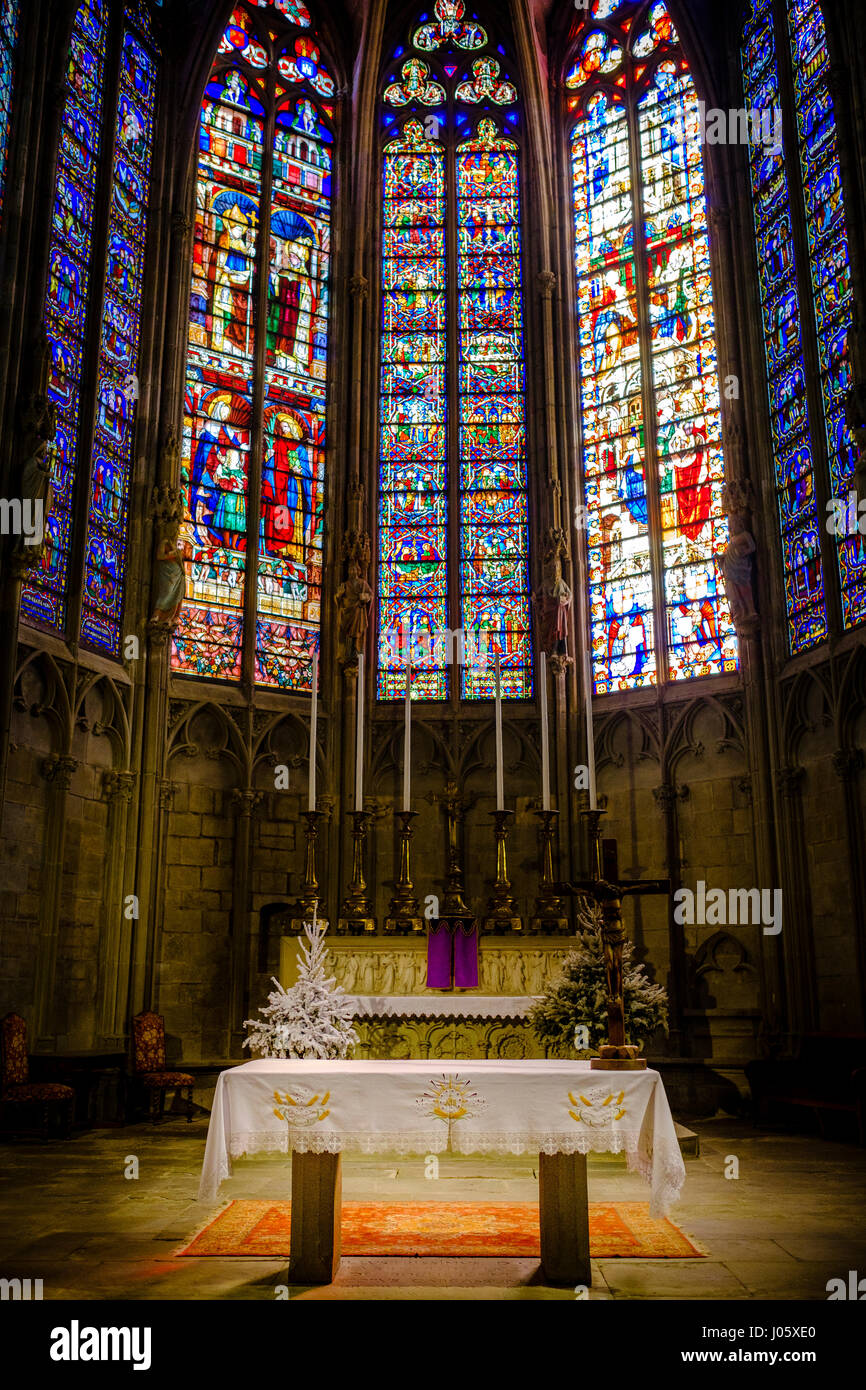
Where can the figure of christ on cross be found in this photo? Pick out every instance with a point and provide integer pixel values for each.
(607, 890)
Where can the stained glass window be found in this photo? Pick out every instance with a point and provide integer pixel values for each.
(80, 304)
(8, 40)
(254, 420)
(802, 247)
(453, 530)
(653, 470)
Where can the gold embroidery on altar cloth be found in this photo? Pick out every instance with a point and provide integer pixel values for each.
(599, 1107)
(298, 1108)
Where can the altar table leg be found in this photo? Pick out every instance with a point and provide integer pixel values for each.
(564, 1218)
(316, 1200)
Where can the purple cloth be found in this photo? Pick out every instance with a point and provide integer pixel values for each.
(438, 955)
(465, 953)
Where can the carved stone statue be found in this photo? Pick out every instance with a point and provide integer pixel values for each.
(493, 970)
(368, 974)
(389, 970)
(354, 595)
(169, 574)
(736, 567)
(553, 601)
(39, 427)
(420, 972)
(350, 972)
(406, 974)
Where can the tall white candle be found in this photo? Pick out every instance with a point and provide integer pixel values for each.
(590, 736)
(500, 790)
(314, 709)
(359, 737)
(407, 739)
(545, 746)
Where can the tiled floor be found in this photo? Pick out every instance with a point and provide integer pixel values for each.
(792, 1220)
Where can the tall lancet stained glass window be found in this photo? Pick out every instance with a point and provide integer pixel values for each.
(8, 42)
(254, 417)
(93, 319)
(453, 531)
(653, 470)
(802, 249)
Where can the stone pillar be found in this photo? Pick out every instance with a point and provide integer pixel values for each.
(667, 794)
(57, 771)
(245, 803)
(848, 764)
(117, 925)
(796, 936)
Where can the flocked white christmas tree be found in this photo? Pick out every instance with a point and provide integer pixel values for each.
(313, 1018)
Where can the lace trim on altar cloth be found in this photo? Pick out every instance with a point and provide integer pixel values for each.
(663, 1170)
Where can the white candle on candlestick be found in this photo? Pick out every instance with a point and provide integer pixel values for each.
(545, 747)
(500, 790)
(311, 798)
(359, 737)
(407, 739)
(590, 736)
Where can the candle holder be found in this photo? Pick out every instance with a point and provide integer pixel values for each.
(356, 914)
(593, 820)
(551, 917)
(309, 899)
(501, 912)
(404, 914)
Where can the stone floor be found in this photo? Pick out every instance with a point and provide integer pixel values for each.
(792, 1220)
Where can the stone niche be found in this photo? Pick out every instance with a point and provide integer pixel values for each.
(399, 969)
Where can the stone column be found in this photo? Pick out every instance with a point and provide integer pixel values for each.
(848, 764)
(667, 794)
(796, 936)
(117, 925)
(57, 771)
(245, 803)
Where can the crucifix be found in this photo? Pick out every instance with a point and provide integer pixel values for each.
(607, 890)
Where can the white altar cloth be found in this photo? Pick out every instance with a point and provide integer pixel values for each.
(438, 1106)
(442, 1005)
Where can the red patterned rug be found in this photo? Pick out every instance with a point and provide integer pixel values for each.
(261, 1230)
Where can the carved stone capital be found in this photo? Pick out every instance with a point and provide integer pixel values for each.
(738, 496)
(667, 794)
(159, 631)
(245, 802)
(166, 501)
(181, 225)
(166, 794)
(559, 663)
(847, 763)
(59, 769)
(359, 287)
(546, 282)
(118, 786)
(789, 780)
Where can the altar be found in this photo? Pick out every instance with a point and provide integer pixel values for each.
(561, 1110)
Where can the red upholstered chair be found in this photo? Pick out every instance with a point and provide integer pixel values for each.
(148, 1043)
(18, 1092)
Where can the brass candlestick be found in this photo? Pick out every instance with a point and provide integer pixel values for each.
(550, 914)
(309, 899)
(501, 913)
(404, 913)
(356, 913)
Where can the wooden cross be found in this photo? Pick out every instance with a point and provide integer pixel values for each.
(607, 889)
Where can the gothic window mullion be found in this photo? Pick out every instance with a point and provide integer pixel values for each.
(650, 451)
(256, 455)
(452, 332)
(90, 374)
(809, 339)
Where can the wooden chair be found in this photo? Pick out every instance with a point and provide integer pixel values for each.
(148, 1041)
(17, 1092)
